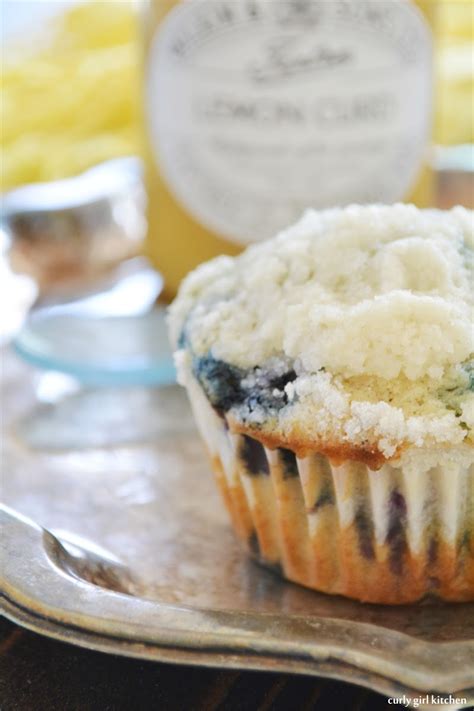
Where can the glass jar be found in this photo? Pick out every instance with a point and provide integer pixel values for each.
(259, 109)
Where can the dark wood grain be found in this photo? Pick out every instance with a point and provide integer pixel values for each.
(40, 674)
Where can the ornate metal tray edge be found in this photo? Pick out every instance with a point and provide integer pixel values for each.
(40, 595)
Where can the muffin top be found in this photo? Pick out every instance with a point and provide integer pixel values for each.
(352, 328)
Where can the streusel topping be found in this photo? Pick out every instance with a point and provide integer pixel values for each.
(368, 308)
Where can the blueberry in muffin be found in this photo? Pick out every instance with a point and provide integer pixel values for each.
(331, 373)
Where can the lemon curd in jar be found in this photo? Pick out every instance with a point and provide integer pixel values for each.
(258, 109)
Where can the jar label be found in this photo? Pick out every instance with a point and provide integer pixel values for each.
(259, 109)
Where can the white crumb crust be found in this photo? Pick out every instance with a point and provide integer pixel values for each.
(365, 294)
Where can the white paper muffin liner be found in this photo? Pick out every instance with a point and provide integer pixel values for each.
(391, 535)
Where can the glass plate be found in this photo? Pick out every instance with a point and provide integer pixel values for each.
(117, 336)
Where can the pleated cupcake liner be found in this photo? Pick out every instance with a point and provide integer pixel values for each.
(385, 536)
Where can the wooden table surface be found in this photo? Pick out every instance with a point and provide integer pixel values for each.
(41, 674)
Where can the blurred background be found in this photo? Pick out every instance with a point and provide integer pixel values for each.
(72, 84)
(72, 107)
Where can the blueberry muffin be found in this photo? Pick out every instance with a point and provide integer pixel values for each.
(331, 374)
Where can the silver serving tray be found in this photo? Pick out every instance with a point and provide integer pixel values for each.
(127, 549)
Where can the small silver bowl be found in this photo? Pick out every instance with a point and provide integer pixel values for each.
(67, 233)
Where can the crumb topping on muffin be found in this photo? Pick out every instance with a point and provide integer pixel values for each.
(355, 324)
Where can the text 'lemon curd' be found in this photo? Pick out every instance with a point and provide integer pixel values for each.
(257, 110)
